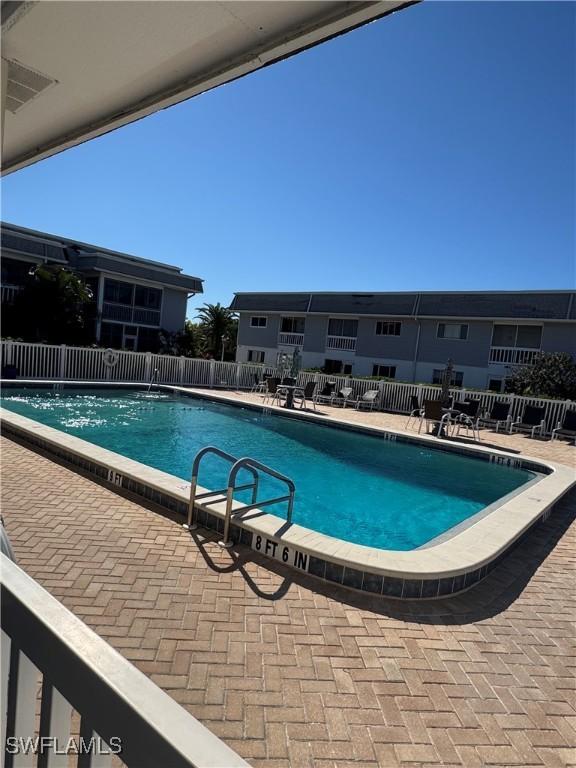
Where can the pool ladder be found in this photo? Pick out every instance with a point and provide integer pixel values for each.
(254, 467)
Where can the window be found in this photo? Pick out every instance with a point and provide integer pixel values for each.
(258, 322)
(336, 366)
(457, 377)
(111, 335)
(387, 371)
(524, 336)
(117, 292)
(388, 328)
(453, 331)
(148, 297)
(339, 327)
(255, 356)
(495, 385)
(292, 325)
(148, 339)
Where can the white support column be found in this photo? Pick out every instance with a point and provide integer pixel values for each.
(4, 75)
(99, 305)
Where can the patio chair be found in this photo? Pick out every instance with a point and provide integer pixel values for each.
(499, 414)
(326, 394)
(342, 397)
(532, 421)
(306, 393)
(566, 427)
(367, 400)
(415, 409)
(272, 389)
(467, 417)
(259, 385)
(432, 412)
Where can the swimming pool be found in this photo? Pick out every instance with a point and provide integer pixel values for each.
(355, 487)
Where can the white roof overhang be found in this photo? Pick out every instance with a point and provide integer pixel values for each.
(76, 69)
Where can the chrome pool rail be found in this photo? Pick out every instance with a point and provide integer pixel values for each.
(247, 463)
(191, 523)
(254, 467)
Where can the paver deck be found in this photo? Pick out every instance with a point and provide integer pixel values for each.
(293, 672)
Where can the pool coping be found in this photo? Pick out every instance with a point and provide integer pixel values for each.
(441, 569)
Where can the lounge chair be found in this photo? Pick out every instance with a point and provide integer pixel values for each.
(432, 412)
(367, 400)
(342, 396)
(566, 427)
(415, 409)
(532, 421)
(305, 394)
(500, 414)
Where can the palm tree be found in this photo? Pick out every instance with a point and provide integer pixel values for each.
(218, 323)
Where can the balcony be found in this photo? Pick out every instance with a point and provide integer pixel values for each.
(9, 293)
(51, 655)
(512, 355)
(291, 339)
(124, 313)
(347, 343)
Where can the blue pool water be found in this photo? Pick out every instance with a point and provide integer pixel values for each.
(349, 485)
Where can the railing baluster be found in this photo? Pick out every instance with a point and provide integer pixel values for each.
(21, 709)
(55, 720)
(4, 675)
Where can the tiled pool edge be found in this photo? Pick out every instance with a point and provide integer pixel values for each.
(439, 571)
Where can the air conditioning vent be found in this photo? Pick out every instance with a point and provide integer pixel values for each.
(23, 85)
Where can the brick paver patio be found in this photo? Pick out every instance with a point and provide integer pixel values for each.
(291, 672)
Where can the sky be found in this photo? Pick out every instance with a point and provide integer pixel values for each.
(431, 150)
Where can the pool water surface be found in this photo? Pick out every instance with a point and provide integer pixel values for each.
(356, 487)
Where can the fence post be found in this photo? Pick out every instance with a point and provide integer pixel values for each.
(181, 370)
(238, 374)
(9, 351)
(381, 395)
(148, 366)
(212, 373)
(62, 361)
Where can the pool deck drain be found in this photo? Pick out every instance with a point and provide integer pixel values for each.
(294, 672)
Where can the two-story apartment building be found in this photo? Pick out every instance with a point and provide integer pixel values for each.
(408, 336)
(134, 297)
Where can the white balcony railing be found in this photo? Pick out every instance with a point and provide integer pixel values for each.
(50, 654)
(513, 355)
(347, 343)
(124, 313)
(9, 293)
(291, 339)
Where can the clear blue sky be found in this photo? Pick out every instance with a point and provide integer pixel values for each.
(433, 149)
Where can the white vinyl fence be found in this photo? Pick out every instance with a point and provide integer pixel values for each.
(45, 361)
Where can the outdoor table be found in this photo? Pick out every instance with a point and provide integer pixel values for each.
(289, 389)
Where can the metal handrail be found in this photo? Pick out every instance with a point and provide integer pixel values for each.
(191, 524)
(247, 463)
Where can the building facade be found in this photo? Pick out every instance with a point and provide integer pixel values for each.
(135, 298)
(408, 336)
